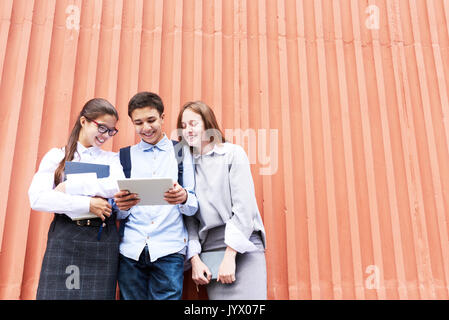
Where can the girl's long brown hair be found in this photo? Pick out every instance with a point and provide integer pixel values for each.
(92, 110)
(208, 117)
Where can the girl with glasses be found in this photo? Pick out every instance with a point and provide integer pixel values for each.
(81, 257)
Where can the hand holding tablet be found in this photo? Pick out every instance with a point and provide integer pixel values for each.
(150, 191)
(176, 195)
(126, 200)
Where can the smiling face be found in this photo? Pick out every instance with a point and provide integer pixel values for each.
(89, 135)
(193, 128)
(148, 124)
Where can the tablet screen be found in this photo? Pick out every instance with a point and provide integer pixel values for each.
(150, 190)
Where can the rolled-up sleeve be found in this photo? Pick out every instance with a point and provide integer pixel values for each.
(194, 245)
(193, 248)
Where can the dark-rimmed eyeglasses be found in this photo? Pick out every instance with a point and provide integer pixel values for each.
(103, 129)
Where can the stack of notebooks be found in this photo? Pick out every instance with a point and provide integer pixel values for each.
(101, 170)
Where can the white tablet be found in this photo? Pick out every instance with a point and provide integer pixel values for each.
(150, 190)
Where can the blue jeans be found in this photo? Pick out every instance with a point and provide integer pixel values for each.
(146, 280)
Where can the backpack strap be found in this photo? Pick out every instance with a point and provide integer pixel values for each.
(179, 158)
(125, 160)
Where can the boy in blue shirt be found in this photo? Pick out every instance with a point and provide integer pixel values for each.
(154, 241)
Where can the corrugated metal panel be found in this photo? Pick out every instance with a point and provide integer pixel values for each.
(353, 186)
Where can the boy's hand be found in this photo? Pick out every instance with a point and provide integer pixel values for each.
(125, 200)
(176, 194)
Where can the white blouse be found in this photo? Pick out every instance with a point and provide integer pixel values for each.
(79, 188)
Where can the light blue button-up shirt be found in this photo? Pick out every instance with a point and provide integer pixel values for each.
(159, 227)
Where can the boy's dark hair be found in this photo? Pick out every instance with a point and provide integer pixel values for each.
(145, 99)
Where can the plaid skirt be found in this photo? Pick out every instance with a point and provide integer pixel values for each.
(78, 265)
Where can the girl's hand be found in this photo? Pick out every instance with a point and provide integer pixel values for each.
(199, 269)
(226, 272)
(100, 207)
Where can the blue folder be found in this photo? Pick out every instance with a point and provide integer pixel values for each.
(71, 167)
(101, 170)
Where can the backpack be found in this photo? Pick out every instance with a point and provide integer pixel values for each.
(125, 160)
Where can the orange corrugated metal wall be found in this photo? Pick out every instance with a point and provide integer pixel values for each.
(344, 105)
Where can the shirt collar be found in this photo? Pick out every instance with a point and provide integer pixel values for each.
(219, 148)
(83, 150)
(161, 145)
